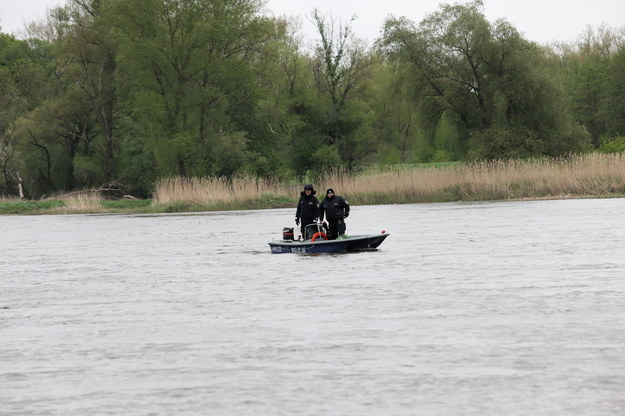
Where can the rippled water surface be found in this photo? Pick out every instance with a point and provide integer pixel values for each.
(511, 308)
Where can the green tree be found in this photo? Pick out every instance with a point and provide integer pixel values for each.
(91, 46)
(592, 77)
(499, 93)
(23, 85)
(613, 103)
(65, 138)
(189, 70)
(340, 69)
(284, 92)
(51, 139)
(8, 105)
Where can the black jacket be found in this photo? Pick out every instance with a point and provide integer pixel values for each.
(334, 208)
(307, 207)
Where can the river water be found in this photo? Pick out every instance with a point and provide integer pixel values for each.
(497, 308)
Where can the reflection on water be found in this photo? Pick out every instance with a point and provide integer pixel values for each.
(509, 308)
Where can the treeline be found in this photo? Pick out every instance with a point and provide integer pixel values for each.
(127, 91)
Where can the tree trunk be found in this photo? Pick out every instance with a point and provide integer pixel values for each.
(20, 187)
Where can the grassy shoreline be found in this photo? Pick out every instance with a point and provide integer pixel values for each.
(587, 176)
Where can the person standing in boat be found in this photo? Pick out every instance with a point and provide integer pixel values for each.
(336, 209)
(307, 208)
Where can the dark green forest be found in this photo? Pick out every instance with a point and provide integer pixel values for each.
(127, 91)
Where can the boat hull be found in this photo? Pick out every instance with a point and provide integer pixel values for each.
(353, 243)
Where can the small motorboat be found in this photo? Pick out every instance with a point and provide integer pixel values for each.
(316, 241)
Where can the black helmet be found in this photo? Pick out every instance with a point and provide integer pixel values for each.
(309, 186)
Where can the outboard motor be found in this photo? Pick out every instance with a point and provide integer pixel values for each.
(287, 233)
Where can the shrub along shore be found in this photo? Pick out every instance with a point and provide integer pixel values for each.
(585, 176)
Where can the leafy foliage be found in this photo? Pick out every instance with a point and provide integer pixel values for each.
(500, 91)
(131, 91)
(612, 145)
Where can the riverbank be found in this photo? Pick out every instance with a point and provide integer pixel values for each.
(587, 176)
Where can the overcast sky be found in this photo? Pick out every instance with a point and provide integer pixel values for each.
(542, 21)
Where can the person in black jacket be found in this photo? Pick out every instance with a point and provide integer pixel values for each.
(307, 208)
(336, 209)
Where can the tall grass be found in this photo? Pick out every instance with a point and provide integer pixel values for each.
(9, 198)
(80, 202)
(574, 176)
(212, 190)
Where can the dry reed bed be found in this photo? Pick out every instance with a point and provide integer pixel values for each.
(206, 191)
(9, 198)
(586, 175)
(80, 202)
